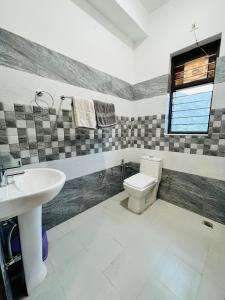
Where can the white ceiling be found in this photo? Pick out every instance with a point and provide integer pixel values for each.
(112, 11)
(127, 19)
(151, 5)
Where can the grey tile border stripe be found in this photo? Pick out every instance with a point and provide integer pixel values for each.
(220, 70)
(21, 54)
(151, 88)
(159, 85)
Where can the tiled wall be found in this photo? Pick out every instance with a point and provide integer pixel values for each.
(84, 192)
(34, 135)
(24, 55)
(149, 132)
(151, 88)
(202, 195)
(37, 135)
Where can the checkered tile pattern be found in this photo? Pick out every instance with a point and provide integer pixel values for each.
(148, 132)
(34, 135)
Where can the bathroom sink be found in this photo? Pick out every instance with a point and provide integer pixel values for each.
(24, 198)
(28, 190)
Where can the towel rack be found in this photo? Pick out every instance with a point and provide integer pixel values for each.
(63, 97)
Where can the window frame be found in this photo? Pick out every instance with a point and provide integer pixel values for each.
(180, 60)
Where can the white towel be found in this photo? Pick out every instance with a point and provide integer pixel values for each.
(83, 113)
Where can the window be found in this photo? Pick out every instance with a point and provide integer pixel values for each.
(192, 80)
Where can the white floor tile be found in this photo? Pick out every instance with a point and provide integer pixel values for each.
(61, 251)
(215, 267)
(191, 249)
(208, 290)
(52, 293)
(146, 253)
(109, 253)
(107, 293)
(218, 243)
(81, 279)
(154, 290)
(90, 232)
(178, 277)
(103, 250)
(126, 277)
(87, 216)
(49, 283)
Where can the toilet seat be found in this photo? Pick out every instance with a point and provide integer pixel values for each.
(140, 181)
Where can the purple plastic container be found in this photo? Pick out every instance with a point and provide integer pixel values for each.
(15, 244)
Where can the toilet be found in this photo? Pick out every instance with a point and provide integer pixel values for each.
(142, 188)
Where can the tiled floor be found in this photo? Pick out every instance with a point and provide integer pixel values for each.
(109, 253)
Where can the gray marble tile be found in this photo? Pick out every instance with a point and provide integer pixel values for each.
(214, 209)
(190, 182)
(61, 209)
(196, 193)
(220, 70)
(201, 195)
(121, 88)
(215, 189)
(151, 88)
(82, 193)
(21, 54)
(181, 189)
(183, 198)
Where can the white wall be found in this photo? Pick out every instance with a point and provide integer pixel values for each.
(159, 105)
(150, 106)
(64, 27)
(19, 87)
(202, 165)
(169, 32)
(83, 165)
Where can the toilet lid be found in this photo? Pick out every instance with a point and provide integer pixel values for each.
(140, 181)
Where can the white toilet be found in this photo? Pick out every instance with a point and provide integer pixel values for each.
(142, 188)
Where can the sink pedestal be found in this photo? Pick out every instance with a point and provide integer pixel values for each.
(24, 198)
(30, 227)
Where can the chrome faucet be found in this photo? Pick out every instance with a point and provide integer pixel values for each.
(4, 176)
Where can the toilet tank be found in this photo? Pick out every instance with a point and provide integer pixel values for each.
(151, 166)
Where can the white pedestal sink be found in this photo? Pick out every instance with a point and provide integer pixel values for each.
(24, 198)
